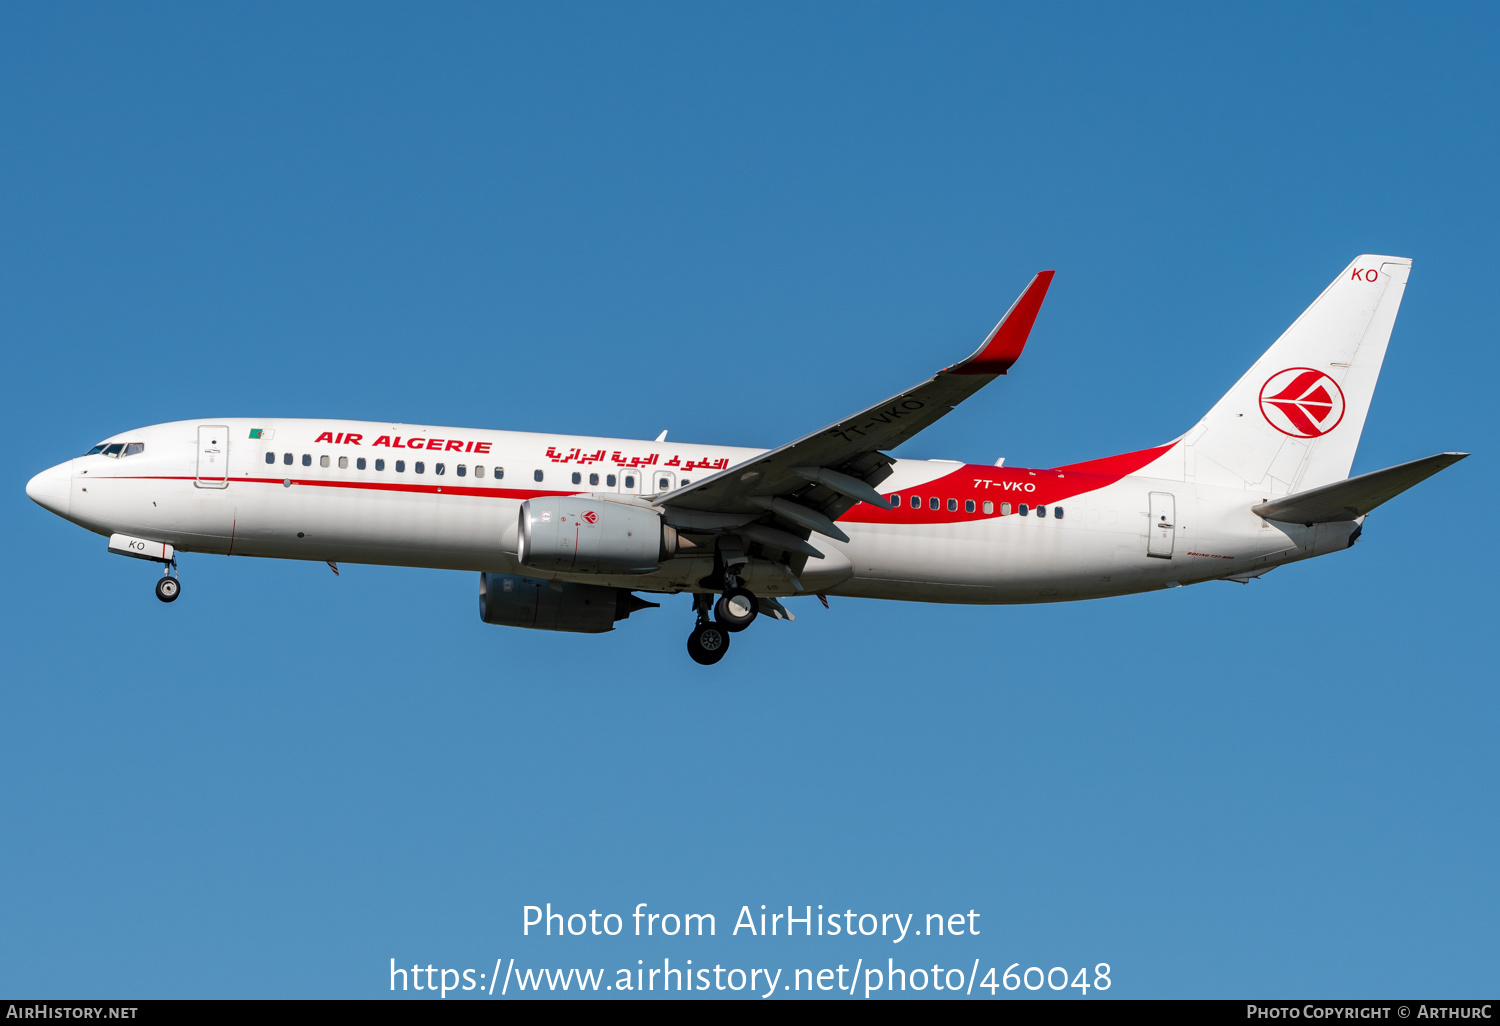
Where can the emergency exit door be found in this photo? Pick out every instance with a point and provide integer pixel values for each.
(213, 456)
(1163, 528)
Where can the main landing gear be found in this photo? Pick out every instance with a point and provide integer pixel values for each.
(735, 610)
(168, 587)
(709, 641)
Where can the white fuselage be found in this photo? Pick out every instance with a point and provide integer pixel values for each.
(448, 498)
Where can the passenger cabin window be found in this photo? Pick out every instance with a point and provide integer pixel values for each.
(686, 482)
(499, 473)
(537, 476)
(609, 479)
(419, 467)
(307, 460)
(629, 480)
(379, 464)
(952, 505)
(135, 447)
(439, 468)
(343, 463)
(593, 479)
(1041, 511)
(400, 466)
(916, 502)
(323, 461)
(461, 470)
(1004, 509)
(1057, 512)
(968, 505)
(934, 503)
(478, 471)
(577, 477)
(664, 483)
(1023, 509)
(359, 464)
(287, 459)
(895, 499)
(270, 457)
(989, 507)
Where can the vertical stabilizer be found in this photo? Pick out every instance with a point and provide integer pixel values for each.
(1293, 421)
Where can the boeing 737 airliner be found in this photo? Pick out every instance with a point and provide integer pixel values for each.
(564, 530)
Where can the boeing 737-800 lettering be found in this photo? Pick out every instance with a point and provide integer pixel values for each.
(565, 531)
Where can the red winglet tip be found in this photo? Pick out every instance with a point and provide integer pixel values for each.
(1004, 345)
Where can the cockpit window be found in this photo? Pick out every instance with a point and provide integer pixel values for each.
(114, 450)
(95, 450)
(135, 448)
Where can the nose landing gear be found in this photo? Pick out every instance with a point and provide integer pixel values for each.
(168, 587)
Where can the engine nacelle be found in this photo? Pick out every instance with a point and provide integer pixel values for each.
(511, 600)
(592, 536)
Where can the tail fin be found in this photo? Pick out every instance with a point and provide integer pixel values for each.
(1293, 421)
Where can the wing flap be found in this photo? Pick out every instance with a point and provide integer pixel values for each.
(1347, 500)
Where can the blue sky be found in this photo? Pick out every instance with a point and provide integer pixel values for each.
(739, 223)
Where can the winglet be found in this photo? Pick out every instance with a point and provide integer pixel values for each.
(1003, 346)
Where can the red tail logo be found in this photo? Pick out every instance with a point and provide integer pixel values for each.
(1302, 402)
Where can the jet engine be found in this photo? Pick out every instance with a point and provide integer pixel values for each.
(592, 536)
(511, 600)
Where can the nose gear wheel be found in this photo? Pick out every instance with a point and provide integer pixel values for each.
(168, 588)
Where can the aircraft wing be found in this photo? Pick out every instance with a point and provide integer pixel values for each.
(807, 484)
(1345, 500)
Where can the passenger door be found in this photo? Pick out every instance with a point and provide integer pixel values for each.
(213, 456)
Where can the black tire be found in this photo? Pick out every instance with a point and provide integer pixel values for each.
(730, 610)
(708, 643)
(168, 588)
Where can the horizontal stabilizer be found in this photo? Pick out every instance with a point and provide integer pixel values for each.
(1346, 500)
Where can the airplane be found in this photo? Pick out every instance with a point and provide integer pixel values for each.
(564, 531)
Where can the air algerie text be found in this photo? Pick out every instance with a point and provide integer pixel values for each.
(395, 442)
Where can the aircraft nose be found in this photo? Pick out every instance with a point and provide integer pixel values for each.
(50, 489)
